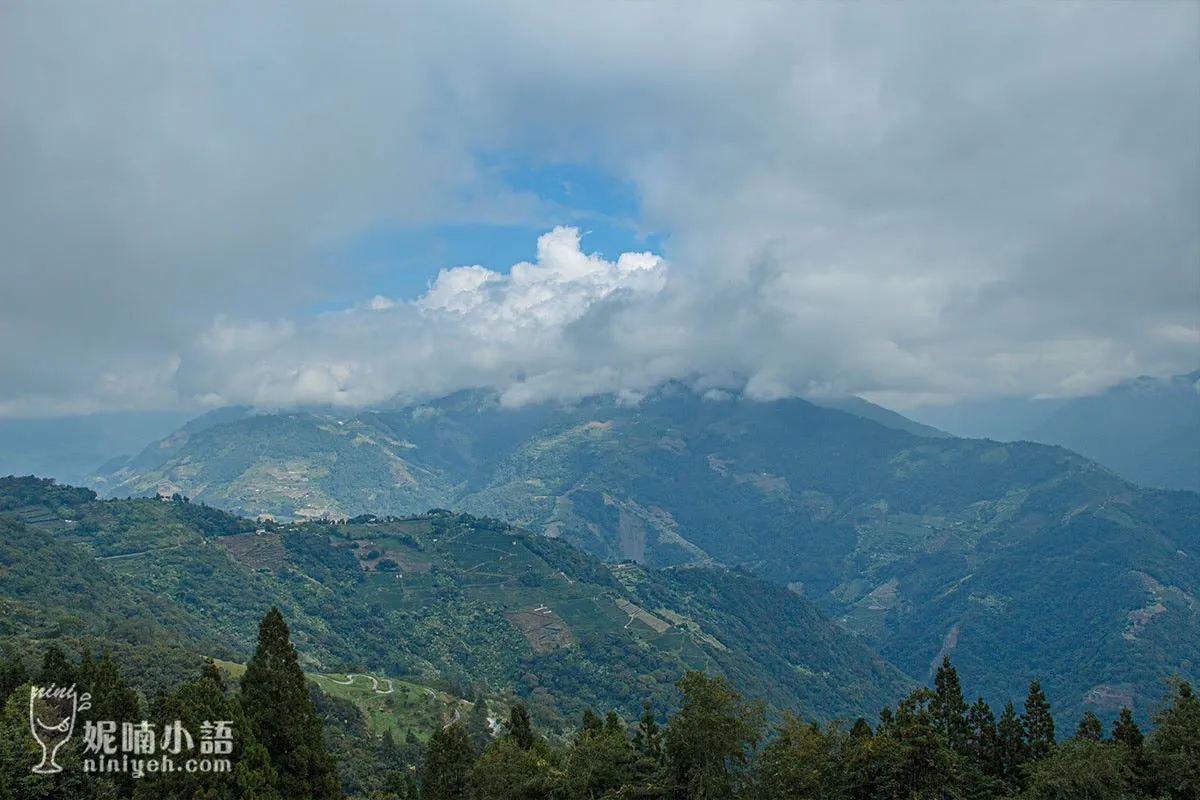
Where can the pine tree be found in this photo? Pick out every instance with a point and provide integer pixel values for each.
(861, 729)
(1013, 751)
(449, 757)
(112, 698)
(520, 727)
(590, 726)
(647, 740)
(56, 669)
(283, 717)
(1176, 743)
(1090, 728)
(983, 743)
(948, 707)
(1037, 722)
(1126, 731)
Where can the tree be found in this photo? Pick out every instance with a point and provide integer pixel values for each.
(507, 771)
(1081, 769)
(478, 726)
(1037, 722)
(927, 767)
(709, 741)
(860, 729)
(801, 761)
(647, 740)
(1176, 743)
(195, 703)
(520, 726)
(449, 758)
(1013, 751)
(601, 760)
(12, 675)
(948, 708)
(983, 743)
(591, 725)
(1126, 731)
(56, 669)
(1090, 728)
(284, 719)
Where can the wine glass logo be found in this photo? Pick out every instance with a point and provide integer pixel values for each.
(52, 711)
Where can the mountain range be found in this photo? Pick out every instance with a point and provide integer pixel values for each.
(1015, 559)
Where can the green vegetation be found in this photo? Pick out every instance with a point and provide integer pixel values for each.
(287, 739)
(471, 604)
(997, 554)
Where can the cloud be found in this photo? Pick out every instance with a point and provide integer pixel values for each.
(910, 202)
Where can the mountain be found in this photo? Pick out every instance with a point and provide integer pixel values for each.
(1016, 559)
(434, 597)
(69, 448)
(1003, 419)
(1146, 430)
(876, 413)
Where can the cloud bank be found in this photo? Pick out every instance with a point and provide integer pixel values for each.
(916, 203)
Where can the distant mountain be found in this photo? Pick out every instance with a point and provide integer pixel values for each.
(69, 448)
(1002, 419)
(1018, 560)
(437, 596)
(1147, 430)
(876, 413)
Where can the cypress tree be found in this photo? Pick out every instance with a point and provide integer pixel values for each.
(948, 707)
(284, 719)
(1037, 722)
(1090, 728)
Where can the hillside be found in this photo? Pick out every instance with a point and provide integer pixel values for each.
(1147, 430)
(442, 598)
(999, 554)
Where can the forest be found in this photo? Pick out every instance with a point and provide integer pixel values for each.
(291, 741)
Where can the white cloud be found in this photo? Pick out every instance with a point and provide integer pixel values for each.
(918, 202)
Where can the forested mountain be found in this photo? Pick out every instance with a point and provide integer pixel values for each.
(437, 598)
(1146, 429)
(997, 554)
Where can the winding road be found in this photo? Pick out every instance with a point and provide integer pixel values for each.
(374, 682)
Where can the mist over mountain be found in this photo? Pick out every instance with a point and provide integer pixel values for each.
(69, 448)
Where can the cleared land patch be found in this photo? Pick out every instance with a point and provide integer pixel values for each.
(544, 629)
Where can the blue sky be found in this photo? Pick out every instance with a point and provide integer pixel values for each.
(400, 262)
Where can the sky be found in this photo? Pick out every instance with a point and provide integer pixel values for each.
(279, 204)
